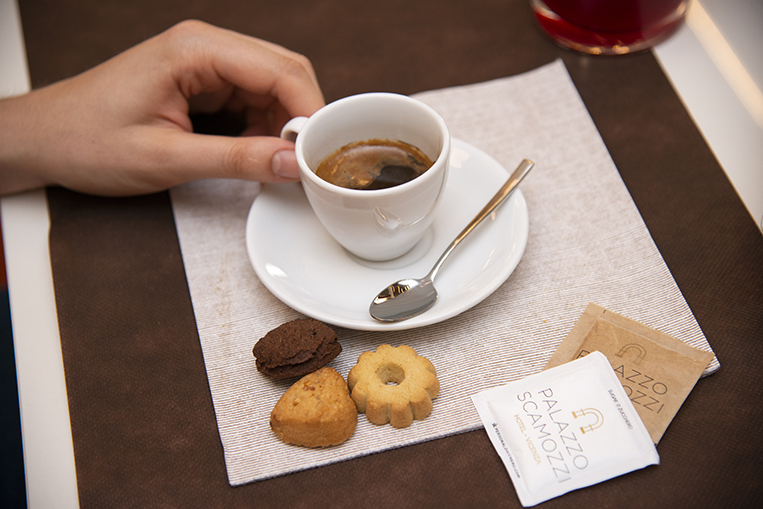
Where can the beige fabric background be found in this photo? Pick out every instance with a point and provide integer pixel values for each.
(587, 244)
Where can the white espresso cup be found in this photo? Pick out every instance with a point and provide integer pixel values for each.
(379, 224)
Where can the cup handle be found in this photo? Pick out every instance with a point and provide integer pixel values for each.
(292, 128)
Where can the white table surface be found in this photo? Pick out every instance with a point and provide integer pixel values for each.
(714, 66)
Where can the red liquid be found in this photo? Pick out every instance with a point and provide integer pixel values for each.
(609, 27)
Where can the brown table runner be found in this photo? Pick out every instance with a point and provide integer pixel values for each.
(142, 419)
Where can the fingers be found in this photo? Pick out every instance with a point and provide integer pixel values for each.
(192, 156)
(205, 59)
(171, 157)
(219, 68)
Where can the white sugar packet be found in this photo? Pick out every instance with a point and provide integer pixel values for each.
(565, 428)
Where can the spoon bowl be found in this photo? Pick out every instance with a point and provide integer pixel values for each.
(403, 300)
(411, 297)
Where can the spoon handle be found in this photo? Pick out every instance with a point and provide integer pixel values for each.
(504, 192)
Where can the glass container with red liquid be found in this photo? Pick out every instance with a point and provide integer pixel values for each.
(609, 27)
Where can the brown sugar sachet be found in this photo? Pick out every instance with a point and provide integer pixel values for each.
(656, 370)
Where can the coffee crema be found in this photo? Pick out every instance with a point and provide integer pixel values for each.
(373, 164)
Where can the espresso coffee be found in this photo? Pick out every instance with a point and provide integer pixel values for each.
(373, 164)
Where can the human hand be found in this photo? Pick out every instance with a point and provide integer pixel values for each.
(123, 127)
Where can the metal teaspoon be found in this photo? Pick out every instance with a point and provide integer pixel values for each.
(411, 297)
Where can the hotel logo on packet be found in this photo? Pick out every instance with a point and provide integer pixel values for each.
(590, 411)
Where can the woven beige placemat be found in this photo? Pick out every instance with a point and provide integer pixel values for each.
(587, 243)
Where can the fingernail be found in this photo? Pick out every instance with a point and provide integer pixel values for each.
(285, 165)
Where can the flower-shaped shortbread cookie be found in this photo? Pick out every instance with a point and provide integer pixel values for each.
(393, 385)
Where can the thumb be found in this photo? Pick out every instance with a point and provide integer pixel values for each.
(258, 158)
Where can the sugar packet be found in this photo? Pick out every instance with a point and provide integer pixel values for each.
(565, 428)
(656, 370)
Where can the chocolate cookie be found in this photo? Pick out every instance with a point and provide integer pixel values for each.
(296, 348)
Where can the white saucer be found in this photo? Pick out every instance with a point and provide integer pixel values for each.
(304, 267)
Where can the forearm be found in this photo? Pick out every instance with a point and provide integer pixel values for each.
(21, 161)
